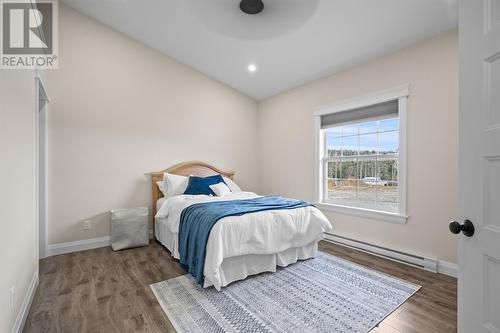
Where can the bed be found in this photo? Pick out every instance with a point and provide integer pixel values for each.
(238, 246)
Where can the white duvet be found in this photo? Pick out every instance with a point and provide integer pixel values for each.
(265, 232)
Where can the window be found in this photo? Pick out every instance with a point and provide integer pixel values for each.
(362, 164)
(361, 156)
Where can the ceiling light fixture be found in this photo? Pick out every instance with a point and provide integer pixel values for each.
(252, 68)
(251, 6)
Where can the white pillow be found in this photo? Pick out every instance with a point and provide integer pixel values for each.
(220, 189)
(161, 186)
(231, 184)
(174, 184)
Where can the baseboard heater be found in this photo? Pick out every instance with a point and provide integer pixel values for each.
(406, 258)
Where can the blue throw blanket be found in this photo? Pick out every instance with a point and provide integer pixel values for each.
(197, 220)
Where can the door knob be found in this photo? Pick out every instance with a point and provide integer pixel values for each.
(467, 228)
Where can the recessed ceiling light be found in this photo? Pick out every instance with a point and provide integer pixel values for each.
(252, 68)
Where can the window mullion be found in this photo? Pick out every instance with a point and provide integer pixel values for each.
(325, 165)
(376, 164)
(357, 166)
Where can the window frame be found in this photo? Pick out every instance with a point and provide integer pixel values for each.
(401, 94)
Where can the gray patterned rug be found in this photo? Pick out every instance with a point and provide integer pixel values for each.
(324, 294)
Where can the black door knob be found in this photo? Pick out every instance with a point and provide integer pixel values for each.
(467, 228)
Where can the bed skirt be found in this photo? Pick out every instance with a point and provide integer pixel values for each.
(238, 268)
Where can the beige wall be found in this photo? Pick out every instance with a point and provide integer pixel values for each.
(286, 149)
(119, 110)
(17, 191)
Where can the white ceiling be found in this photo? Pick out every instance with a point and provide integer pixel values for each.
(292, 42)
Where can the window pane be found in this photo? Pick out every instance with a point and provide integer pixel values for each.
(368, 144)
(387, 190)
(349, 169)
(388, 170)
(367, 192)
(350, 146)
(333, 144)
(343, 188)
(333, 171)
(351, 129)
(391, 124)
(368, 127)
(367, 171)
(388, 142)
(335, 131)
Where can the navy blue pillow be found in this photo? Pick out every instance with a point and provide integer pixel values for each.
(200, 185)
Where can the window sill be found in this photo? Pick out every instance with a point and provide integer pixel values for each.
(364, 212)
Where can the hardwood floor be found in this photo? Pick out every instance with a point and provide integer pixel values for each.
(104, 291)
(432, 309)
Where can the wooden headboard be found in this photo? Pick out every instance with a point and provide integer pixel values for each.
(193, 168)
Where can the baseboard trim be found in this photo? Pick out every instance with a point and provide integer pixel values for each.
(82, 245)
(447, 268)
(26, 306)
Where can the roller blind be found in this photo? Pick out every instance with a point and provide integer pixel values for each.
(372, 111)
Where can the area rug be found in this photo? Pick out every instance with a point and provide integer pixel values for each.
(324, 294)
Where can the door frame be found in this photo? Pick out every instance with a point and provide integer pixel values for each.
(41, 108)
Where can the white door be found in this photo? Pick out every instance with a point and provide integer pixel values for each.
(479, 170)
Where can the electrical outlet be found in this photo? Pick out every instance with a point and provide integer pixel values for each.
(87, 225)
(12, 294)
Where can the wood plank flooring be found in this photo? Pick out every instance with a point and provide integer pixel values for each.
(104, 291)
(432, 309)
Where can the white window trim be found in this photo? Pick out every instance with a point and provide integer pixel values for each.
(399, 93)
